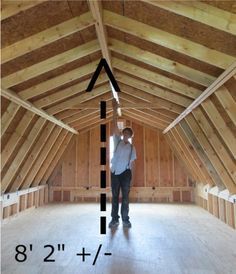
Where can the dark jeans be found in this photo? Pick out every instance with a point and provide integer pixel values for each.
(121, 181)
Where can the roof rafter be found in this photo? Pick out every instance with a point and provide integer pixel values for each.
(102, 90)
(95, 121)
(96, 10)
(10, 8)
(94, 125)
(25, 168)
(46, 37)
(159, 111)
(225, 76)
(57, 81)
(143, 119)
(51, 141)
(155, 113)
(48, 159)
(176, 86)
(122, 105)
(142, 92)
(150, 87)
(56, 159)
(22, 153)
(64, 94)
(200, 12)
(168, 40)
(160, 62)
(12, 96)
(50, 64)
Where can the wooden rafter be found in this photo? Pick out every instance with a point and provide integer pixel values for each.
(189, 132)
(209, 156)
(56, 133)
(8, 116)
(185, 156)
(16, 136)
(225, 76)
(139, 122)
(227, 101)
(148, 115)
(26, 167)
(50, 64)
(49, 158)
(168, 40)
(64, 94)
(12, 96)
(200, 12)
(57, 81)
(159, 110)
(182, 158)
(160, 62)
(68, 113)
(56, 159)
(46, 37)
(210, 153)
(22, 153)
(216, 142)
(10, 8)
(92, 117)
(149, 87)
(187, 147)
(142, 119)
(143, 93)
(96, 10)
(122, 105)
(220, 125)
(94, 125)
(95, 121)
(158, 79)
(154, 114)
(82, 116)
(67, 104)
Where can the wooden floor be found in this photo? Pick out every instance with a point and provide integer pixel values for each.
(164, 238)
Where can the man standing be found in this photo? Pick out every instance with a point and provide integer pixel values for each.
(121, 171)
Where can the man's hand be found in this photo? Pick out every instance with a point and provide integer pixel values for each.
(114, 104)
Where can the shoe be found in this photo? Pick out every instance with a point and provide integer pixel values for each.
(113, 223)
(127, 224)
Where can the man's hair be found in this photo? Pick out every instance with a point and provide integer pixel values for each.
(129, 129)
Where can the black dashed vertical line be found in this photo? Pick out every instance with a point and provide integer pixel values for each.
(102, 225)
(103, 198)
(103, 179)
(103, 64)
(103, 163)
(103, 130)
(103, 155)
(103, 107)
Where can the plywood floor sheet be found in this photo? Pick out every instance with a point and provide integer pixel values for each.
(164, 238)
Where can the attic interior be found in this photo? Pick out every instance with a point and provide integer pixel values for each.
(175, 63)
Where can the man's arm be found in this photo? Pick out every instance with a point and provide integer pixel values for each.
(115, 128)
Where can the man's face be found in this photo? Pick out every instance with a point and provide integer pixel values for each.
(126, 135)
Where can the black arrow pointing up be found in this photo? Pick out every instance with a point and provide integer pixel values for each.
(103, 63)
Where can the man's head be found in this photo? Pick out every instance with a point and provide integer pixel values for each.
(127, 133)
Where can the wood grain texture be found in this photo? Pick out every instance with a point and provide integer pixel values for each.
(179, 232)
(155, 166)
